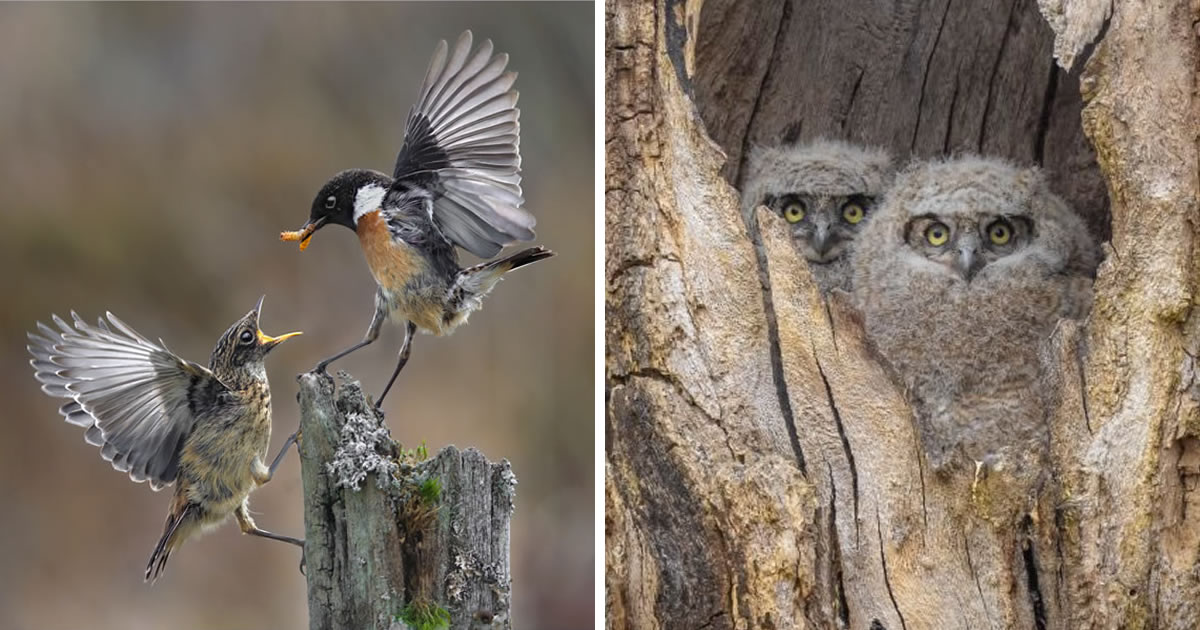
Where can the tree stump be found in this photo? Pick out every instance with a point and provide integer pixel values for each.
(393, 541)
(763, 470)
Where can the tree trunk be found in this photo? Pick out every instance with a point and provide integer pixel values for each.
(763, 470)
(394, 540)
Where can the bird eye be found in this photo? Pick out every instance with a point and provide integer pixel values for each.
(852, 212)
(937, 234)
(246, 337)
(330, 202)
(1000, 232)
(794, 212)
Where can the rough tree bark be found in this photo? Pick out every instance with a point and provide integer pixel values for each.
(391, 543)
(762, 469)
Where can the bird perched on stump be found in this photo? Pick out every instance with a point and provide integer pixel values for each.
(164, 419)
(456, 183)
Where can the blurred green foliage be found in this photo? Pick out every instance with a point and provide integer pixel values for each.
(150, 156)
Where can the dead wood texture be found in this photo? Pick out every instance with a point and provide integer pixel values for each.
(390, 544)
(762, 470)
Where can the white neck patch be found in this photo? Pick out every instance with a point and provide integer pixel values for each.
(367, 200)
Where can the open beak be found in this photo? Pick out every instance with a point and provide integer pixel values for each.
(304, 234)
(271, 342)
(265, 339)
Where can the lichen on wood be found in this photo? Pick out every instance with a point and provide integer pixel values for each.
(393, 541)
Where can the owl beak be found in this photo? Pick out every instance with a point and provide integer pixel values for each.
(821, 240)
(968, 263)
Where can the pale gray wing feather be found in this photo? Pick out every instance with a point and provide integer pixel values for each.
(131, 393)
(462, 142)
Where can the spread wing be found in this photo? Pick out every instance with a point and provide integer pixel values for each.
(132, 394)
(462, 143)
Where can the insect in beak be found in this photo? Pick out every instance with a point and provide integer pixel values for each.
(304, 234)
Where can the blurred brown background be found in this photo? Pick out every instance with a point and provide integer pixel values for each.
(150, 157)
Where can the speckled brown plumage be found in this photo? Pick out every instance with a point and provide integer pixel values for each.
(166, 420)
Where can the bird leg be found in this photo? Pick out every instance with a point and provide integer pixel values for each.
(405, 350)
(381, 312)
(263, 474)
(248, 526)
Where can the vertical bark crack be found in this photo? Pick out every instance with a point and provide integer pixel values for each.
(978, 586)
(1087, 416)
(853, 96)
(925, 77)
(1031, 577)
(950, 119)
(781, 388)
(887, 580)
(837, 418)
(1039, 147)
(832, 329)
(784, 19)
(921, 476)
(843, 610)
(987, 104)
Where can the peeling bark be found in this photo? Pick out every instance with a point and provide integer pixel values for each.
(763, 470)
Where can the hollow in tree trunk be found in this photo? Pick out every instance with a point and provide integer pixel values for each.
(763, 470)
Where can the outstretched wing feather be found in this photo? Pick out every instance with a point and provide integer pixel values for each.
(462, 144)
(130, 393)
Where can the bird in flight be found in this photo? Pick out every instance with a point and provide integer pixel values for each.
(164, 419)
(456, 183)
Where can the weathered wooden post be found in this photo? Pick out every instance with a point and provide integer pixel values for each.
(395, 540)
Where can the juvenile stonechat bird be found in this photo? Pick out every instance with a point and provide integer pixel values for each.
(456, 183)
(163, 419)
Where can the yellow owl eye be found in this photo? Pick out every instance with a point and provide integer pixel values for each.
(853, 213)
(937, 234)
(794, 212)
(1000, 232)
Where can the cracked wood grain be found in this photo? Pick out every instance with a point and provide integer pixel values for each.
(753, 440)
(707, 506)
(373, 550)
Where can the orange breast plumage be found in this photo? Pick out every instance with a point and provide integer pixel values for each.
(391, 262)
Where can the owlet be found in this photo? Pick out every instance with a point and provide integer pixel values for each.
(826, 191)
(964, 271)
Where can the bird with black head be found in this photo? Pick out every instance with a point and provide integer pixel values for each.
(456, 183)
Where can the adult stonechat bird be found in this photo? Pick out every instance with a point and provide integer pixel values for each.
(163, 419)
(456, 183)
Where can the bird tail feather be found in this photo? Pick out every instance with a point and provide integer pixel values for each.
(517, 260)
(171, 538)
